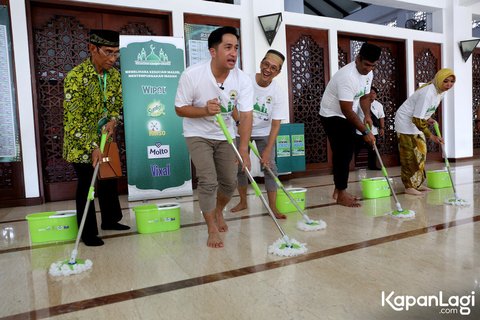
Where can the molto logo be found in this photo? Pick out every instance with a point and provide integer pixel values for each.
(158, 151)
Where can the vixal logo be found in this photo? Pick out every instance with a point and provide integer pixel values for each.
(158, 171)
(451, 305)
(158, 151)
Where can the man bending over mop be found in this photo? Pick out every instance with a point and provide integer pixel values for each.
(347, 89)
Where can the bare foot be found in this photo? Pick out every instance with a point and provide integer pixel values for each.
(335, 194)
(279, 215)
(221, 225)
(424, 189)
(214, 240)
(346, 199)
(413, 192)
(239, 207)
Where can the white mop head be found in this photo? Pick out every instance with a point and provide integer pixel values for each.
(280, 248)
(313, 225)
(64, 268)
(457, 202)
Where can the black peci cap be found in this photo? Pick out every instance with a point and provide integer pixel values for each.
(107, 38)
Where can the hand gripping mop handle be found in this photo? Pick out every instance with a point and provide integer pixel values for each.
(279, 184)
(447, 163)
(255, 187)
(90, 197)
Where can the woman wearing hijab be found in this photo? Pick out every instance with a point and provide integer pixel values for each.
(412, 122)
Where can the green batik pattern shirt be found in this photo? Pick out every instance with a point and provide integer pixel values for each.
(83, 107)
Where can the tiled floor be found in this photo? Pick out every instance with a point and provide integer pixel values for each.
(362, 255)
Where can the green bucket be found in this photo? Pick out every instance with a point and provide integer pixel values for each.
(157, 217)
(52, 226)
(438, 179)
(373, 188)
(284, 205)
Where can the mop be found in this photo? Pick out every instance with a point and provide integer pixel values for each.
(456, 201)
(284, 246)
(305, 225)
(73, 265)
(399, 212)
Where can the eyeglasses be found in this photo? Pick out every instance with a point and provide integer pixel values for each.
(110, 54)
(267, 65)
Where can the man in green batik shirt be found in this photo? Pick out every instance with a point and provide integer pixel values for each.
(93, 100)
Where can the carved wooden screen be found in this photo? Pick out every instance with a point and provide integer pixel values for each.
(307, 57)
(476, 96)
(389, 80)
(60, 43)
(427, 62)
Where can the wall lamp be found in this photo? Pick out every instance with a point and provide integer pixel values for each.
(270, 25)
(467, 47)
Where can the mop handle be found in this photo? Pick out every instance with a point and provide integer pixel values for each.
(439, 134)
(279, 183)
(90, 197)
(447, 163)
(250, 177)
(384, 171)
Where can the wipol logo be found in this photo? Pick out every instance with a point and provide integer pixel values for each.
(158, 151)
(152, 58)
(450, 305)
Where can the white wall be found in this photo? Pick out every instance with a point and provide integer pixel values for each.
(254, 46)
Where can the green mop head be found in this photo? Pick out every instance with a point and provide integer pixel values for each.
(402, 214)
(311, 225)
(66, 268)
(289, 248)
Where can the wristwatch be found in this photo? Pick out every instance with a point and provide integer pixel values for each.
(366, 132)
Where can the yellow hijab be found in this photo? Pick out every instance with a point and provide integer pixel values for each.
(440, 76)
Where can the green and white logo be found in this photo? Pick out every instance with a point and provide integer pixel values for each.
(152, 58)
(156, 109)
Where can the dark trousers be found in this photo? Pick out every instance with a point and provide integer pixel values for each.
(341, 135)
(107, 193)
(372, 156)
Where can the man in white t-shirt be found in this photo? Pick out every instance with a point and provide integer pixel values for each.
(269, 110)
(378, 128)
(348, 89)
(204, 90)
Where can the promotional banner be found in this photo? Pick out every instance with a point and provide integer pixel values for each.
(158, 163)
(290, 146)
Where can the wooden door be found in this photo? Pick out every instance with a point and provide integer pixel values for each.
(59, 32)
(476, 98)
(308, 67)
(428, 60)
